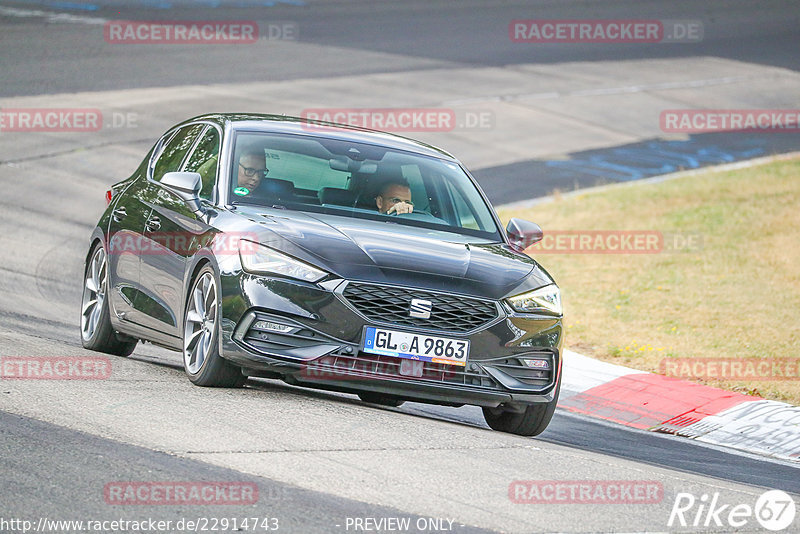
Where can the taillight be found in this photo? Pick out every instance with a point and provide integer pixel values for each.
(109, 196)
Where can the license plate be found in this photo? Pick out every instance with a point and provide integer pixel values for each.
(416, 346)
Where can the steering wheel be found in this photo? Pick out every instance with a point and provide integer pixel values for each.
(419, 216)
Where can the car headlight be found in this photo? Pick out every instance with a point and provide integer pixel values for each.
(545, 299)
(258, 259)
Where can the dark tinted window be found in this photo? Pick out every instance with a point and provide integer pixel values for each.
(204, 161)
(176, 148)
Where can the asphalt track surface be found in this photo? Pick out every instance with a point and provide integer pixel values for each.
(475, 34)
(317, 458)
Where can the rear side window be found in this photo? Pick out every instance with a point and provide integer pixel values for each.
(204, 161)
(175, 150)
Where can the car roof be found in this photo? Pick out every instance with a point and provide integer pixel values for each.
(302, 126)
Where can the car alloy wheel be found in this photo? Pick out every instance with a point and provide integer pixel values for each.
(201, 359)
(94, 294)
(201, 323)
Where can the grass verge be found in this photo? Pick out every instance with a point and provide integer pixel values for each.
(725, 282)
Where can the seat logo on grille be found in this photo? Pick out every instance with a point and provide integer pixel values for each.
(420, 308)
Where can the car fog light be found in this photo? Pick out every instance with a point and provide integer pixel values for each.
(535, 364)
(272, 327)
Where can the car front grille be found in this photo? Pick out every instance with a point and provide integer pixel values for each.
(389, 304)
(351, 366)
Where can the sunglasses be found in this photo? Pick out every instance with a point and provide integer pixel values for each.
(250, 171)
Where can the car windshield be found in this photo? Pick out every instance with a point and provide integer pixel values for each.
(339, 177)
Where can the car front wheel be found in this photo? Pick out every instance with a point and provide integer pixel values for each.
(531, 421)
(201, 360)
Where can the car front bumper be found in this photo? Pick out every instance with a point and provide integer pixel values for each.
(311, 335)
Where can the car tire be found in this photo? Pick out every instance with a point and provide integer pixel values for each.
(530, 422)
(97, 332)
(201, 360)
(380, 398)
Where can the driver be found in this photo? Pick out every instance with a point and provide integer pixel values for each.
(394, 197)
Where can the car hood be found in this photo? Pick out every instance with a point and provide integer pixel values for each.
(387, 252)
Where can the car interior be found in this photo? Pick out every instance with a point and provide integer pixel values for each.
(335, 176)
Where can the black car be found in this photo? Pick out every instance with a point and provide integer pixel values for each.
(326, 256)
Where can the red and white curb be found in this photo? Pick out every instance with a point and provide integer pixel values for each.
(663, 404)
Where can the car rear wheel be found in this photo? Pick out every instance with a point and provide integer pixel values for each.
(97, 333)
(532, 421)
(201, 360)
(379, 398)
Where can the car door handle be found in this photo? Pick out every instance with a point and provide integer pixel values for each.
(119, 213)
(153, 224)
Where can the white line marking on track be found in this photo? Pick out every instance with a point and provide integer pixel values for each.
(50, 17)
(627, 89)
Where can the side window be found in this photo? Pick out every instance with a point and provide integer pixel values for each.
(204, 161)
(173, 153)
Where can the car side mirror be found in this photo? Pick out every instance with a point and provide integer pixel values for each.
(523, 234)
(187, 186)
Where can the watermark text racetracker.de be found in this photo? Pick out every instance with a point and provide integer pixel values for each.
(72, 120)
(194, 32)
(182, 243)
(724, 120)
(769, 369)
(585, 492)
(180, 493)
(329, 368)
(635, 31)
(55, 368)
(400, 119)
(616, 242)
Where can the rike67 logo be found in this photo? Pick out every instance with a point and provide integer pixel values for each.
(774, 510)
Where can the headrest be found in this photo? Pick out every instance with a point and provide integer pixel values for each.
(276, 188)
(336, 196)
